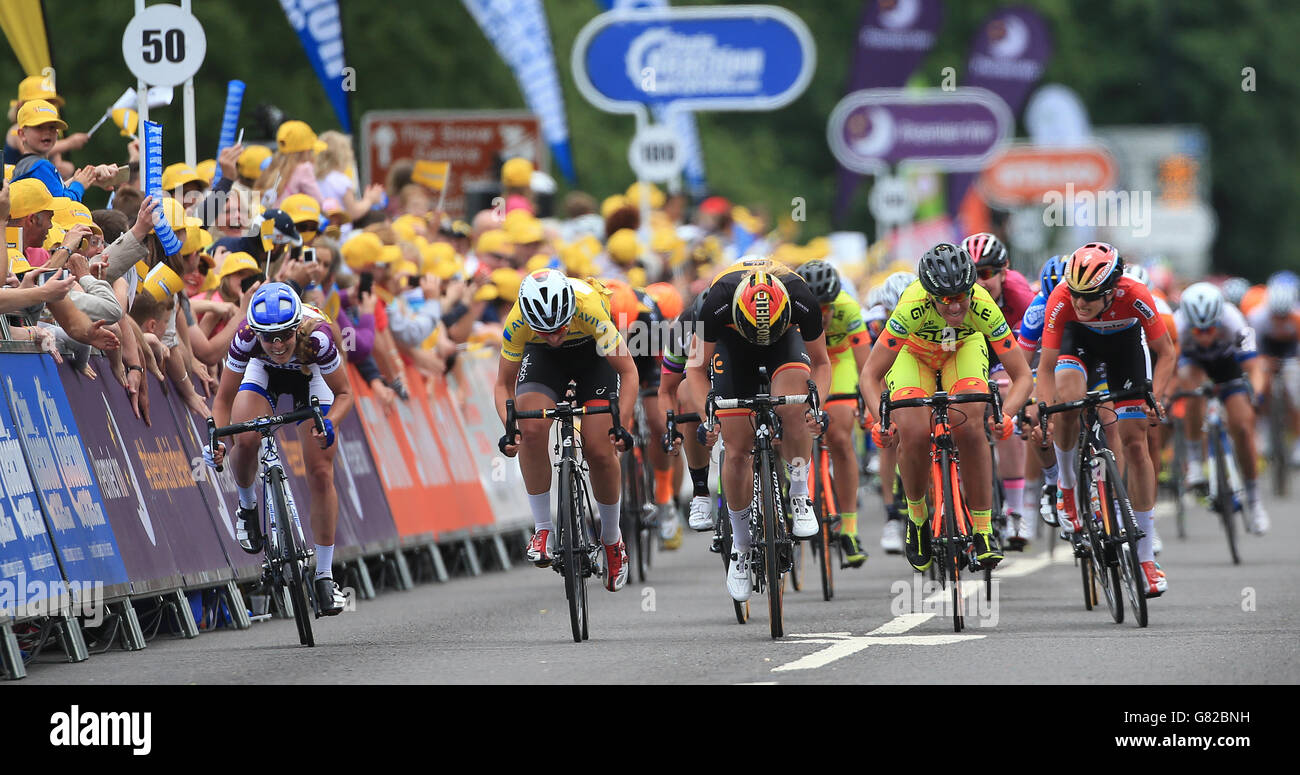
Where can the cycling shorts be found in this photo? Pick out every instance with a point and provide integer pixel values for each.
(964, 371)
(547, 370)
(271, 383)
(1120, 359)
(734, 370)
(844, 375)
(1278, 348)
(648, 370)
(1220, 369)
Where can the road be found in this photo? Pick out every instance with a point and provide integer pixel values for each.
(1218, 623)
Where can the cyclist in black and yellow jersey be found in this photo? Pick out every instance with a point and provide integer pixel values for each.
(759, 313)
(939, 338)
(847, 344)
(560, 330)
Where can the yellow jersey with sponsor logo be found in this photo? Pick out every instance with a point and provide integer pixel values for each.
(590, 321)
(916, 323)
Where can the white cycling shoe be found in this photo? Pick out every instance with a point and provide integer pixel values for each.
(805, 521)
(739, 585)
(701, 517)
(892, 539)
(1258, 518)
(669, 523)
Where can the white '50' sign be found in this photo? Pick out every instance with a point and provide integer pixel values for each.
(164, 45)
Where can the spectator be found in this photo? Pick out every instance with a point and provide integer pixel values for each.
(334, 167)
(291, 170)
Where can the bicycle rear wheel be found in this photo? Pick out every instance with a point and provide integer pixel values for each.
(773, 529)
(1089, 582)
(575, 586)
(1176, 477)
(1223, 500)
(292, 570)
(1277, 435)
(1105, 567)
(823, 507)
(949, 536)
(649, 529)
(724, 526)
(1120, 515)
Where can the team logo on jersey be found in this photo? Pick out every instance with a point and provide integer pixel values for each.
(1034, 316)
(897, 328)
(1141, 307)
(999, 331)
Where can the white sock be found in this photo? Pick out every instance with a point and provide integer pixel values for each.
(324, 561)
(540, 505)
(1015, 495)
(1147, 524)
(1067, 477)
(609, 530)
(247, 495)
(1051, 474)
(798, 479)
(740, 530)
(1193, 453)
(1252, 492)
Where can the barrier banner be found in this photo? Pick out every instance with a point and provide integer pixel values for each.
(470, 508)
(141, 528)
(361, 495)
(30, 581)
(84, 542)
(498, 474)
(295, 467)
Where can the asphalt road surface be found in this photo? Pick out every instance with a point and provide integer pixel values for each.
(1218, 623)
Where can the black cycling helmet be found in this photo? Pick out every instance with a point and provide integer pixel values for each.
(985, 250)
(946, 270)
(822, 280)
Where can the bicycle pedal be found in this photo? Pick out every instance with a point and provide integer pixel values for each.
(716, 545)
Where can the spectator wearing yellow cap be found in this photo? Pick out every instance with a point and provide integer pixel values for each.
(228, 302)
(292, 169)
(334, 170)
(226, 210)
(492, 251)
(517, 184)
(183, 182)
(305, 213)
(38, 88)
(527, 234)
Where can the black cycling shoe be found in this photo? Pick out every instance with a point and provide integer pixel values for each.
(854, 554)
(248, 529)
(917, 545)
(329, 598)
(987, 550)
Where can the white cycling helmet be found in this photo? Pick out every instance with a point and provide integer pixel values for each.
(546, 300)
(1202, 303)
(1281, 298)
(1139, 273)
(1234, 288)
(893, 288)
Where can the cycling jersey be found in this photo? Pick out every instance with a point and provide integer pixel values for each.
(320, 352)
(677, 339)
(917, 324)
(805, 312)
(874, 319)
(1016, 298)
(1279, 337)
(1031, 323)
(845, 329)
(590, 321)
(1233, 338)
(1130, 305)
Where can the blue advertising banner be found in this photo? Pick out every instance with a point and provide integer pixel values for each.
(321, 32)
(229, 121)
(30, 578)
(748, 57)
(82, 538)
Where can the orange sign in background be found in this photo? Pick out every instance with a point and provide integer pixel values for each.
(1022, 175)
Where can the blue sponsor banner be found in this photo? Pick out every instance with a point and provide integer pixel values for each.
(749, 57)
(320, 29)
(69, 495)
(153, 139)
(29, 572)
(229, 121)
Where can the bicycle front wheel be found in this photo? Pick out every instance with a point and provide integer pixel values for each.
(575, 586)
(1277, 435)
(1089, 582)
(952, 556)
(1121, 514)
(773, 529)
(293, 576)
(1223, 495)
(1105, 567)
(1176, 477)
(823, 507)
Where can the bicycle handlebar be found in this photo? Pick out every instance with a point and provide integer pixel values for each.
(1207, 389)
(266, 425)
(561, 411)
(1096, 398)
(672, 433)
(940, 399)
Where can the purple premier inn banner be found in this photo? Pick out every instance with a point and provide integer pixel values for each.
(892, 39)
(1008, 56)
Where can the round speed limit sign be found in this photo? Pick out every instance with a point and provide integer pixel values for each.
(164, 45)
(656, 154)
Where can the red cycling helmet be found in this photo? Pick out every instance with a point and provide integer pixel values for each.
(1094, 269)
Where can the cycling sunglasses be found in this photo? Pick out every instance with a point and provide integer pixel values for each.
(1206, 330)
(1096, 296)
(959, 298)
(988, 272)
(279, 337)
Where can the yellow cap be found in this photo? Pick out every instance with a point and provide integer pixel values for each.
(652, 191)
(74, 213)
(35, 87)
(295, 136)
(174, 212)
(53, 238)
(194, 236)
(39, 113)
(249, 163)
(491, 241)
(612, 203)
(302, 208)
(405, 266)
(207, 170)
(539, 261)
(523, 228)
(28, 196)
(237, 262)
(210, 282)
(623, 247)
(9, 172)
(17, 261)
(405, 227)
(127, 121)
(362, 250)
(162, 281)
(506, 281)
(178, 174)
(391, 254)
(517, 173)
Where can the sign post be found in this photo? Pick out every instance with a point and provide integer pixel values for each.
(164, 45)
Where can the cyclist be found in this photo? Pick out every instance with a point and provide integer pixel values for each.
(939, 335)
(1030, 338)
(1011, 292)
(285, 347)
(847, 344)
(1219, 345)
(759, 313)
(685, 391)
(1099, 317)
(891, 539)
(560, 330)
(1277, 324)
(629, 307)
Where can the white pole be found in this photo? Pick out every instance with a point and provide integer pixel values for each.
(187, 97)
(141, 89)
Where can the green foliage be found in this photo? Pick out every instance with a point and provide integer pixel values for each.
(1132, 61)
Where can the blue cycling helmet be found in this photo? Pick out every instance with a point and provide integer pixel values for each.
(275, 308)
(1052, 274)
